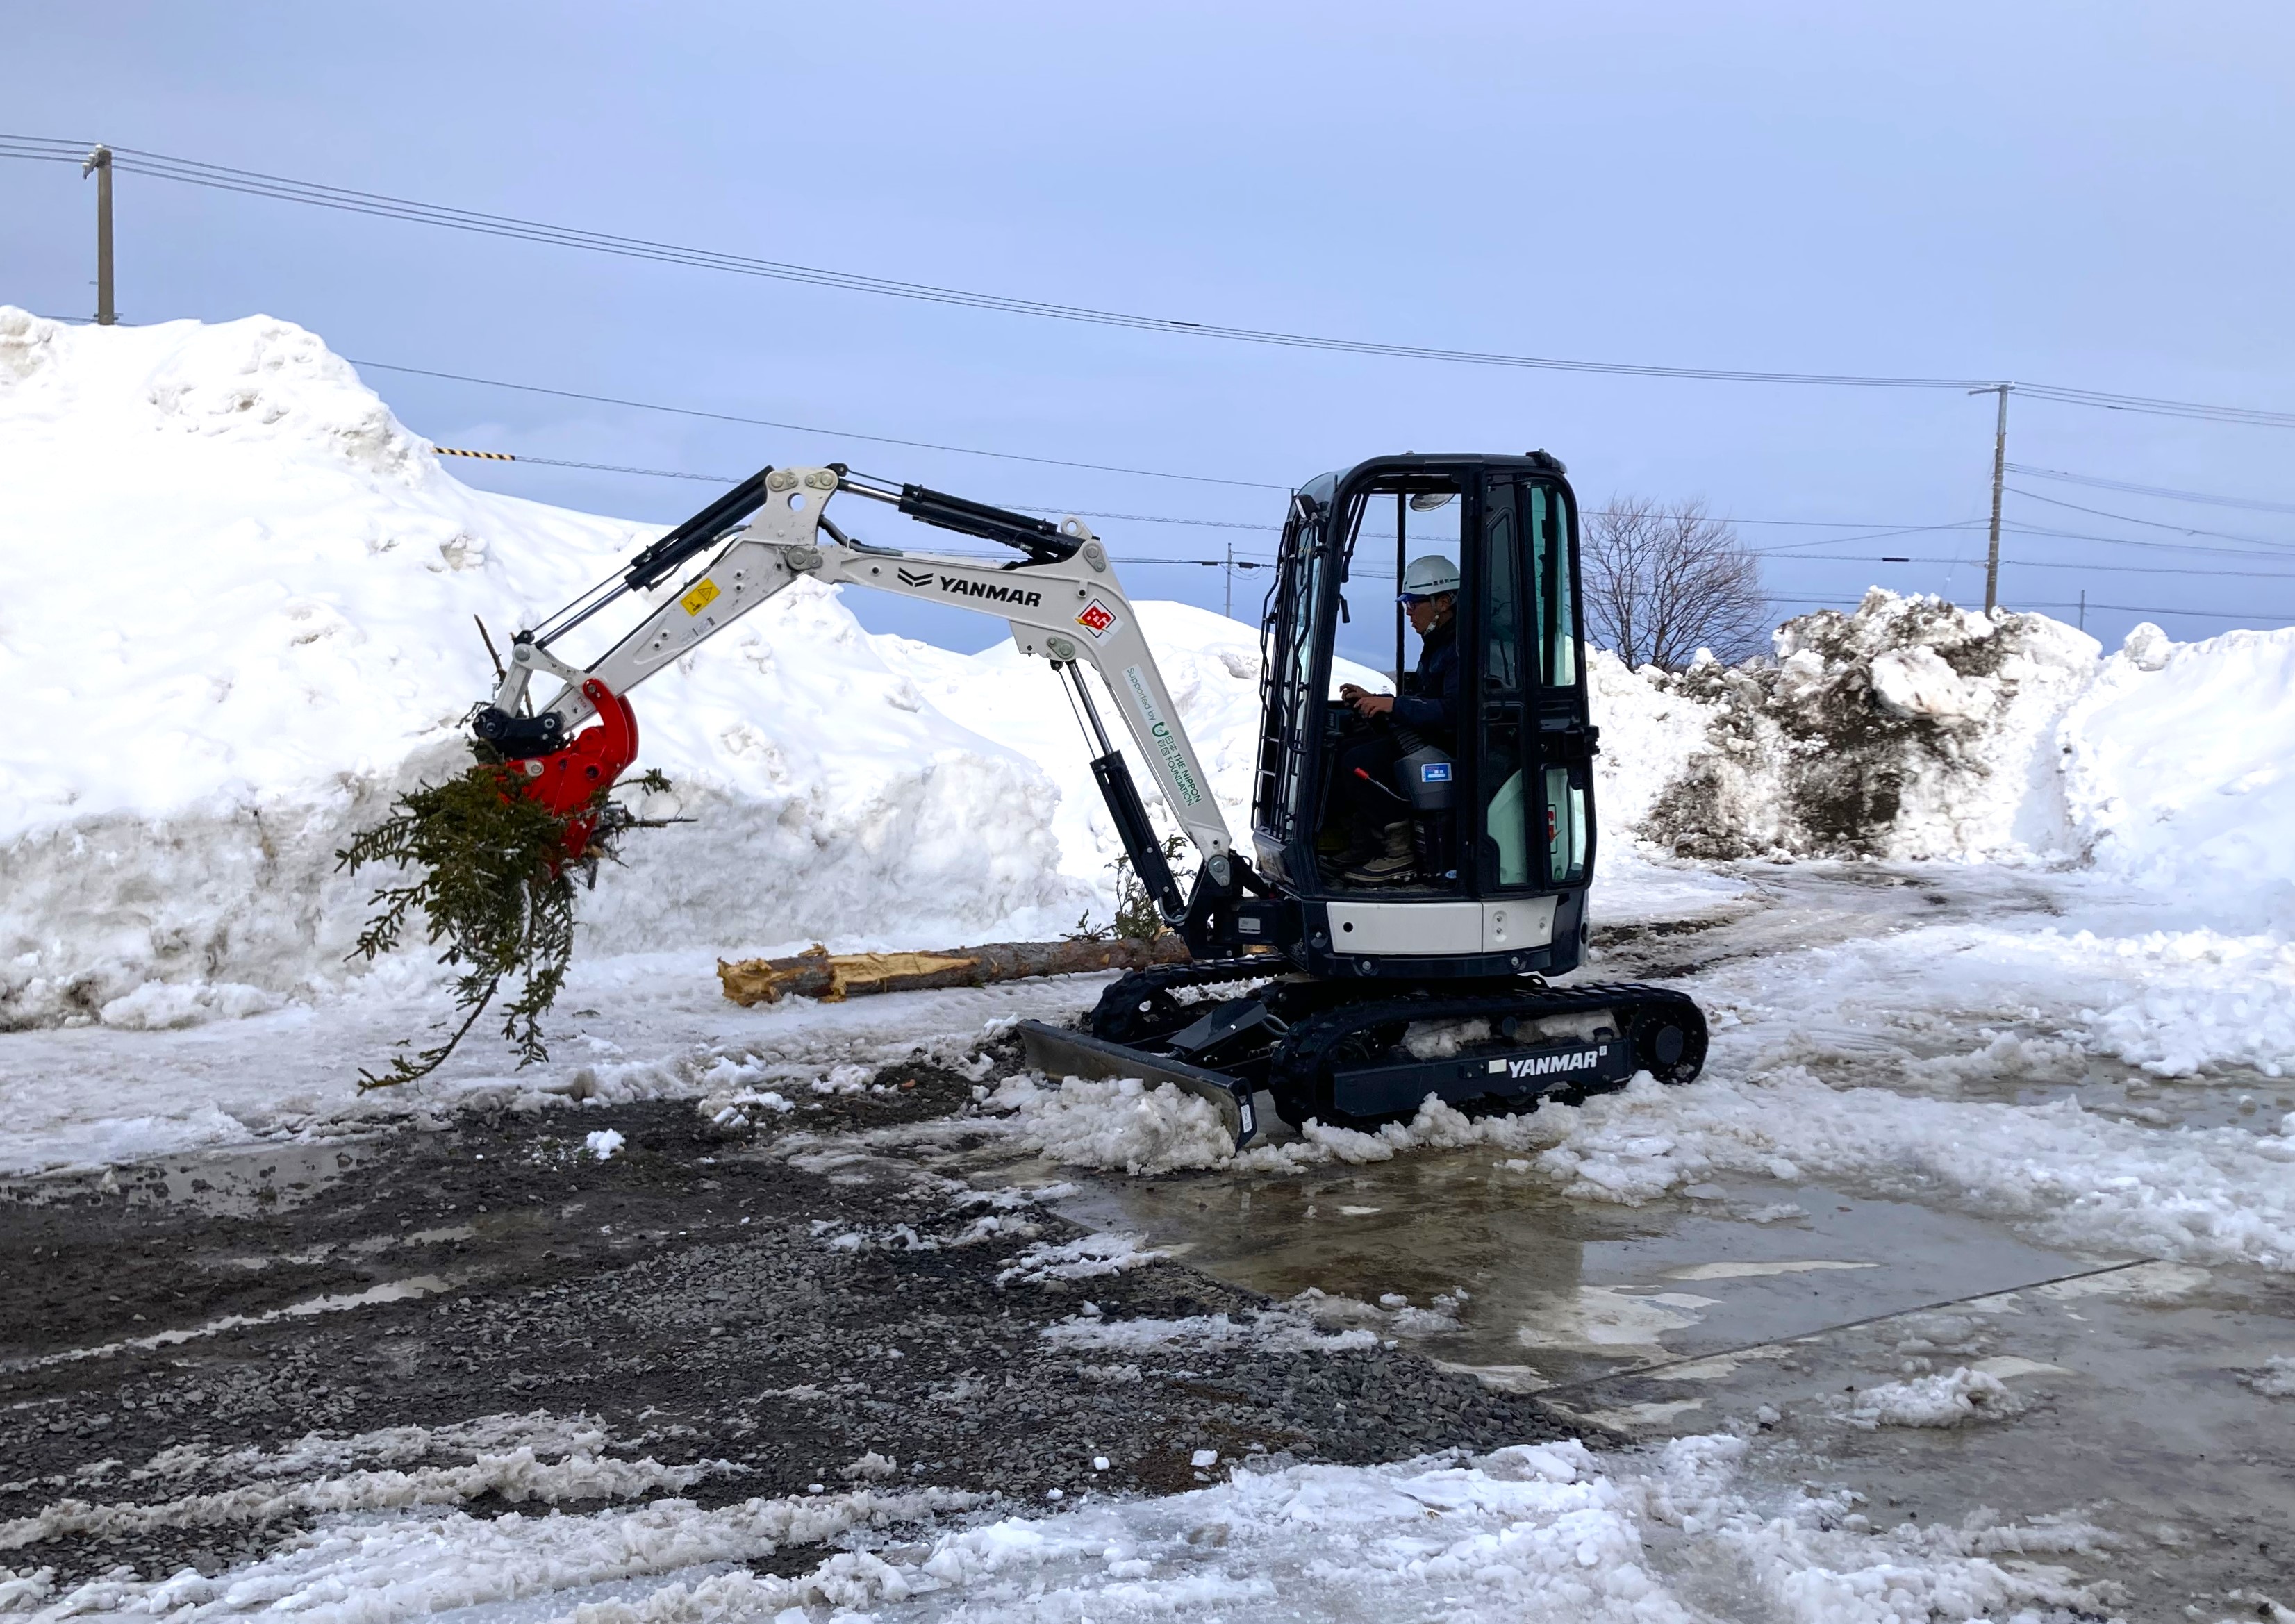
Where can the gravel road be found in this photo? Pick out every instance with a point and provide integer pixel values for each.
(201, 1357)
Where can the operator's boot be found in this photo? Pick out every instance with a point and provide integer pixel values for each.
(1397, 863)
(1363, 844)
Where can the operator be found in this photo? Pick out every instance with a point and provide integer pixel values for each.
(1377, 820)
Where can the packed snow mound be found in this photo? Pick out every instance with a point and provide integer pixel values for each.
(236, 598)
(2179, 768)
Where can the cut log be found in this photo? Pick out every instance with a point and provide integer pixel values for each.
(833, 977)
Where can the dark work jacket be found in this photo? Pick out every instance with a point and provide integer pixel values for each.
(1434, 710)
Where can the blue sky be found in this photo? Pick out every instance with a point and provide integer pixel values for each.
(2091, 194)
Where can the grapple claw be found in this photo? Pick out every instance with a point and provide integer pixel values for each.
(572, 781)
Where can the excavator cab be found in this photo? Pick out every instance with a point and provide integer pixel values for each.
(1493, 781)
(1491, 777)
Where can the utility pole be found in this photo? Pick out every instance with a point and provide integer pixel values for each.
(100, 161)
(1999, 472)
(1230, 574)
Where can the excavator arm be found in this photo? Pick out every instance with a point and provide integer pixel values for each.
(1063, 601)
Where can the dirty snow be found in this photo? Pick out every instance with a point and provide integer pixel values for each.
(1957, 1397)
(1547, 1531)
(1291, 1329)
(2277, 1379)
(2068, 1175)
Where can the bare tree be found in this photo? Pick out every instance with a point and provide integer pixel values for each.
(1661, 582)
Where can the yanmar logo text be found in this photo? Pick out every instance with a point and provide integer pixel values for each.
(1019, 597)
(1548, 1065)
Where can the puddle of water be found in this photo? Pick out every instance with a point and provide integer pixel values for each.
(1565, 1289)
(237, 1183)
(2230, 1097)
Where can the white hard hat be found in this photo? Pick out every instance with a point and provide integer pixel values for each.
(1428, 577)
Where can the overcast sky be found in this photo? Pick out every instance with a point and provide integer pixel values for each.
(2091, 194)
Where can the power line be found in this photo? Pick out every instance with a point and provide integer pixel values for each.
(1145, 518)
(2154, 406)
(2048, 533)
(2124, 608)
(1794, 548)
(2257, 547)
(2123, 570)
(2152, 490)
(842, 434)
(253, 182)
(2156, 523)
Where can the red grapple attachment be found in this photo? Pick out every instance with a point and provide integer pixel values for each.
(570, 782)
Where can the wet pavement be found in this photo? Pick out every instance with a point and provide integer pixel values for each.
(2134, 1395)
(2138, 1394)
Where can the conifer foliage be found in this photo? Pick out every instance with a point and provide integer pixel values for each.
(489, 870)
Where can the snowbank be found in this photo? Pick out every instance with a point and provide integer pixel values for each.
(2179, 770)
(235, 615)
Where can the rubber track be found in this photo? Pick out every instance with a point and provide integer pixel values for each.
(1298, 1071)
(1117, 1016)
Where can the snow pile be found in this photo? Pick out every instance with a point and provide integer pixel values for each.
(230, 587)
(1954, 1399)
(1086, 1258)
(1119, 1122)
(2179, 770)
(235, 606)
(1537, 1532)
(1907, 728)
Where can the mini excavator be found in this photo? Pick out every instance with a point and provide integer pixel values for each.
(1343, 996)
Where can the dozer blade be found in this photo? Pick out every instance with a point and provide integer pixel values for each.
(1074, 1054)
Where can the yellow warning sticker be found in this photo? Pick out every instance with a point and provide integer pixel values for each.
(700, 598)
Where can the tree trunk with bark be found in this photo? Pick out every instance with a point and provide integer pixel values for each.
(833, 977)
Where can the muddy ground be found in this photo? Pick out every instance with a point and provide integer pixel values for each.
(701, 1297)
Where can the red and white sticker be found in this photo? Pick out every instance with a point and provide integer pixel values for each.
(1097, 618)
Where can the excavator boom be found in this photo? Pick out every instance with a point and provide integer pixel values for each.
(1062, 602)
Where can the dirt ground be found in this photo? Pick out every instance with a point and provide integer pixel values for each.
(167, 1333)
